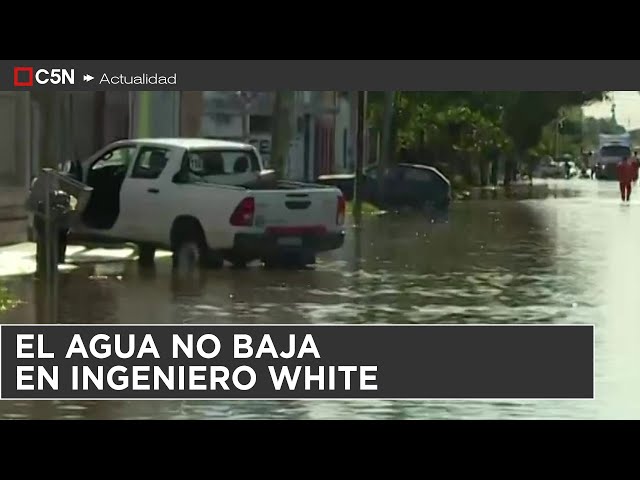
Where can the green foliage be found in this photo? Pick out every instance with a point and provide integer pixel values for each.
(595, 126)
(463, 121)
(480, 122)
(529, 112)
(7, 300)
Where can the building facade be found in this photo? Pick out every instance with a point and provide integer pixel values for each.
(39, 129)
(15, 128)
(321, 120)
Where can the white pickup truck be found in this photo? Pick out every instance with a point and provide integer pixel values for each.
(205, 200)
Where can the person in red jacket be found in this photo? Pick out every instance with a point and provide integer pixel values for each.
(636, 167)
(626, 174)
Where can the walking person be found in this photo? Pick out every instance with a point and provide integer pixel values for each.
(626, 174)
(636, 167)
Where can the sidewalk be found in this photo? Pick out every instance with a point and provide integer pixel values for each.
(20, 259)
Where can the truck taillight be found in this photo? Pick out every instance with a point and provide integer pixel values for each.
(341, 210)
(242, 216)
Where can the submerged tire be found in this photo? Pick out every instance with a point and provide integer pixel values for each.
(188, 254)
(190, 250)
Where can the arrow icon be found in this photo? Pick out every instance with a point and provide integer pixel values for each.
(87, 78)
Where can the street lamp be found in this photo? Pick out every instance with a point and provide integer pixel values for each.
(246, 97)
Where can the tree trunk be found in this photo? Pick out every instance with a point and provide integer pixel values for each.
(360, 159)
(484, 171)
(508, 170)
(393, 147)
(495, 167)
(282, 130)
(192, 109)
(385, 158)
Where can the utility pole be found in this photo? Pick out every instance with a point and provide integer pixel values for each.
(247, 99)
(282, 130)
(555, 157)
(361, 152)
(385, 158)
(245, 124)
(559, 125)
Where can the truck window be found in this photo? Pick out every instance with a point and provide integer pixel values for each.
(118, 157)
(150, 163)
(220, 166)
(222, 162)
(615, 151)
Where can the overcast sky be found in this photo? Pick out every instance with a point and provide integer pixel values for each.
(627, 109)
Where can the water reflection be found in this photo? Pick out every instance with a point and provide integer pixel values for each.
(544, 259)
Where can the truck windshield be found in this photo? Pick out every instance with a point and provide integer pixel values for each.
(222, 162)
(615, 151)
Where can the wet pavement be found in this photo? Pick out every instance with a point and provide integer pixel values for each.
(569, 255)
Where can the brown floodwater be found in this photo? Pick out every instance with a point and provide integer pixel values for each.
(569, 254)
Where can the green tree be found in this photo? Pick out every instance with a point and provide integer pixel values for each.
(463, 126)
(595, 126)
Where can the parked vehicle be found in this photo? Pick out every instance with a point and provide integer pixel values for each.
(205, 200)
(549, 168)
(404, 185)
(612, 149)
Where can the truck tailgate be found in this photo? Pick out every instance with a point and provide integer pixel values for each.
(297, 208)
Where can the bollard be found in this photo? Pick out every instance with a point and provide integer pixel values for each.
(50, 202)
(53, 215)
(51, 229)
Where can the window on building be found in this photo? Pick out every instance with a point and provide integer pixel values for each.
(260, 124)
(222, 118)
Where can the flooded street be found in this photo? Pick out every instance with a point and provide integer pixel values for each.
(571, 255)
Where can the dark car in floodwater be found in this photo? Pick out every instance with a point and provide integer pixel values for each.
(404, 185)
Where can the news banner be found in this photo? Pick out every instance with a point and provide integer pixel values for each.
(304, 362)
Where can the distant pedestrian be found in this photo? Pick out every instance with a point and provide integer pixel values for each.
(636, 167)
(626, 175)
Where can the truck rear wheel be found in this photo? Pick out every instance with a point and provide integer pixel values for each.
(190, 250)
